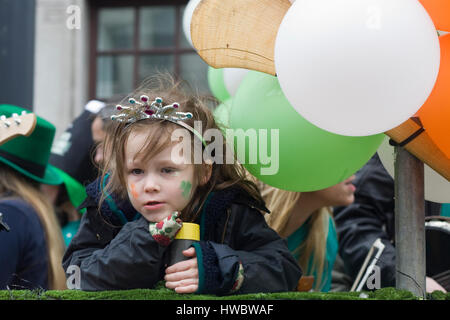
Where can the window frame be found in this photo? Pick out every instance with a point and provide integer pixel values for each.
(136, 52)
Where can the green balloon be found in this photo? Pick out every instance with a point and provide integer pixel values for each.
(308, 158)
(222, 114)
(217, 84)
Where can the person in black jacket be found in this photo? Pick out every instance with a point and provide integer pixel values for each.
(31, 246)
(372, 216)
(150, 186)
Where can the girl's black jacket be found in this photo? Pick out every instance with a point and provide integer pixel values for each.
(114, 249)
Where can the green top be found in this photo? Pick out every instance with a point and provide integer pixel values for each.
(198, 249)
(296, 239)
(445, 210)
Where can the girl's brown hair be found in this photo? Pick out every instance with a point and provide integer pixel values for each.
(15, 185)
(159, 137)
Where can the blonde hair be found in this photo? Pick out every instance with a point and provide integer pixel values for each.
(159, 137)
(16, 185)
(281, 203)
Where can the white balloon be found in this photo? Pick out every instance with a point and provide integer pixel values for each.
(232, 78)
(437, 188)
(357, 67)
(187, 17)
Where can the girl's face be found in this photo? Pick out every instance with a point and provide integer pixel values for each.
(162, 185)
(341, 194)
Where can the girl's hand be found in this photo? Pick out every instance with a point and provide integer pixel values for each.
(183, 276)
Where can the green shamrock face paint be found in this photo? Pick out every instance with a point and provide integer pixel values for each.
(186, 187)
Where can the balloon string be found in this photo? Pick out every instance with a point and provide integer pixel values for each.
(407, 140)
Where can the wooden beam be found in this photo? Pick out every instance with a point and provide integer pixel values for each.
(238, 33)
(422, 147)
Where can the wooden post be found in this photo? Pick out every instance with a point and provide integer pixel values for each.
(409, 223)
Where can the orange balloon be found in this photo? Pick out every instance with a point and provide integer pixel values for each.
(439, 11)
(435, 113)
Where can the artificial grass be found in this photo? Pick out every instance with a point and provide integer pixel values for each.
(162, 293)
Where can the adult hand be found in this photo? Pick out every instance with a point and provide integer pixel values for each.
(432, 285)
(183, 276)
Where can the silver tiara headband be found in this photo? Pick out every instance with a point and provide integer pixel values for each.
(143, 109)
(140, 110)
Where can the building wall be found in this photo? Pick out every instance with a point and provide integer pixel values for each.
(61, 60)
(17, 52)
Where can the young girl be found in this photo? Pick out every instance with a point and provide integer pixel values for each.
(149, 188)
(305, 220)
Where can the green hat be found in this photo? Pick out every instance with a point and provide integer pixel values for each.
(75, 190)
(29, 155)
